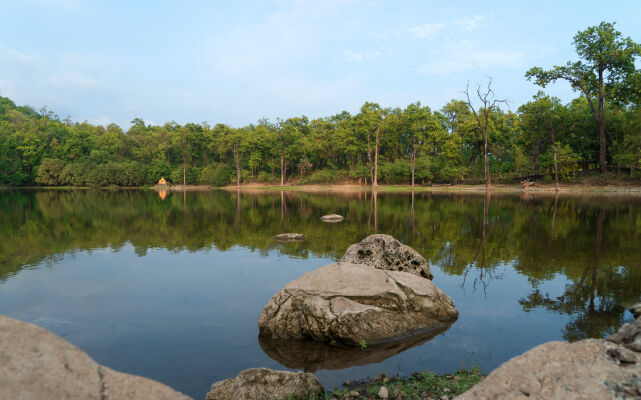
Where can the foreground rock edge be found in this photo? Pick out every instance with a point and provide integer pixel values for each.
(265, 383)
(588, 369)
(38, 364)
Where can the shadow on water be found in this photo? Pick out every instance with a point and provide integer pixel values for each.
(311, 356)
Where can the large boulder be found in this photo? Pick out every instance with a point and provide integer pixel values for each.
(384, 252)
(588, 369)
(636, 310)
(266, 384)
(37, 364)
(350, 303)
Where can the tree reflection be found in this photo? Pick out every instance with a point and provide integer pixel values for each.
(591, 242)
(595, 310)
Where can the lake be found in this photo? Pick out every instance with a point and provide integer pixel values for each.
(170, 287)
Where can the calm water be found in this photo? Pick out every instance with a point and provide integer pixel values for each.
(171, 289)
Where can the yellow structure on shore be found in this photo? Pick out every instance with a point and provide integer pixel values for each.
(162, 181)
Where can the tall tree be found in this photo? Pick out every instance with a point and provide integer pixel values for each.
(606, 72)
(488, 102)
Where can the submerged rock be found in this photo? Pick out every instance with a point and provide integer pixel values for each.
(265, 384)
(384, 252)
(588, 369)
(332, 218)
(37, 364)
(289, 237)
(350, 303)
(311, 356)
(636, 310)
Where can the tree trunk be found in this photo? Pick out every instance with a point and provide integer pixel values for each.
(602, 141)
(282, 159)
(375, 182)
(556, 167)
(487, 162)
(413, 168)
(237, 161)
(184, 169)
(369, 161)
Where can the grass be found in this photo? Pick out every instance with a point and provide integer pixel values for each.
(418, 386)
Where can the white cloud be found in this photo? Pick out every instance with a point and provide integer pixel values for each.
(427, 31)
(472, 23)
(350, 56)
(101, 120)
(466, 55)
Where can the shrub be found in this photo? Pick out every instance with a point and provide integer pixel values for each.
(49, 171)
(264, 176)
(157, 170)
(218, 175)
(324, 176)
(190, 175)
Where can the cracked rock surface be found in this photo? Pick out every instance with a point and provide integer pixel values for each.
(265, 384)
(348, 303)
(384, 252)
(588, 369)
(37, 364)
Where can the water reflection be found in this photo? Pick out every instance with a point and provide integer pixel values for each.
(312, 356)
(521, 269)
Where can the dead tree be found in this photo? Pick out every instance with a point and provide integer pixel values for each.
(488, 102)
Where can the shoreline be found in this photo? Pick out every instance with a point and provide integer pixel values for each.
(564, 189)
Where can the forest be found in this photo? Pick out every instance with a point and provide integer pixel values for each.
(477, 138)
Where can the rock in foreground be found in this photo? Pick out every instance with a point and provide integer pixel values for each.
(348, 303)
(265, 384)
(384, 252)
(37, 364)
(289, 237)
(588, 369)
(332, 218)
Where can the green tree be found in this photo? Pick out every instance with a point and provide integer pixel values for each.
(606, 72)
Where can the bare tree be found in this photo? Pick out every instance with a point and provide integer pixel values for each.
(482, 116)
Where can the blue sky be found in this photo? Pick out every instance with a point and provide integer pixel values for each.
(235, 62)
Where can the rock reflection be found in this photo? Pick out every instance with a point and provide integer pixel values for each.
(312, 356)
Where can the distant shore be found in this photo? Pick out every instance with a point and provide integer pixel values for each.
(631, 188)
(436, 188)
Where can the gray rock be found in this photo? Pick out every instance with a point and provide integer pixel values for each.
(37, 364)
(332, 218)
(384, 252)
(636, 310)
(289, 237)
(265, 384)
(383, 393)
(588, 369)
(350, 303)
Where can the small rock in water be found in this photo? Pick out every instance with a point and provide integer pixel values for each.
(332, 218)
(346, 383)
(289, 237)
(383, 393)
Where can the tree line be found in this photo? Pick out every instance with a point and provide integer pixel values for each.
(478, 138)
